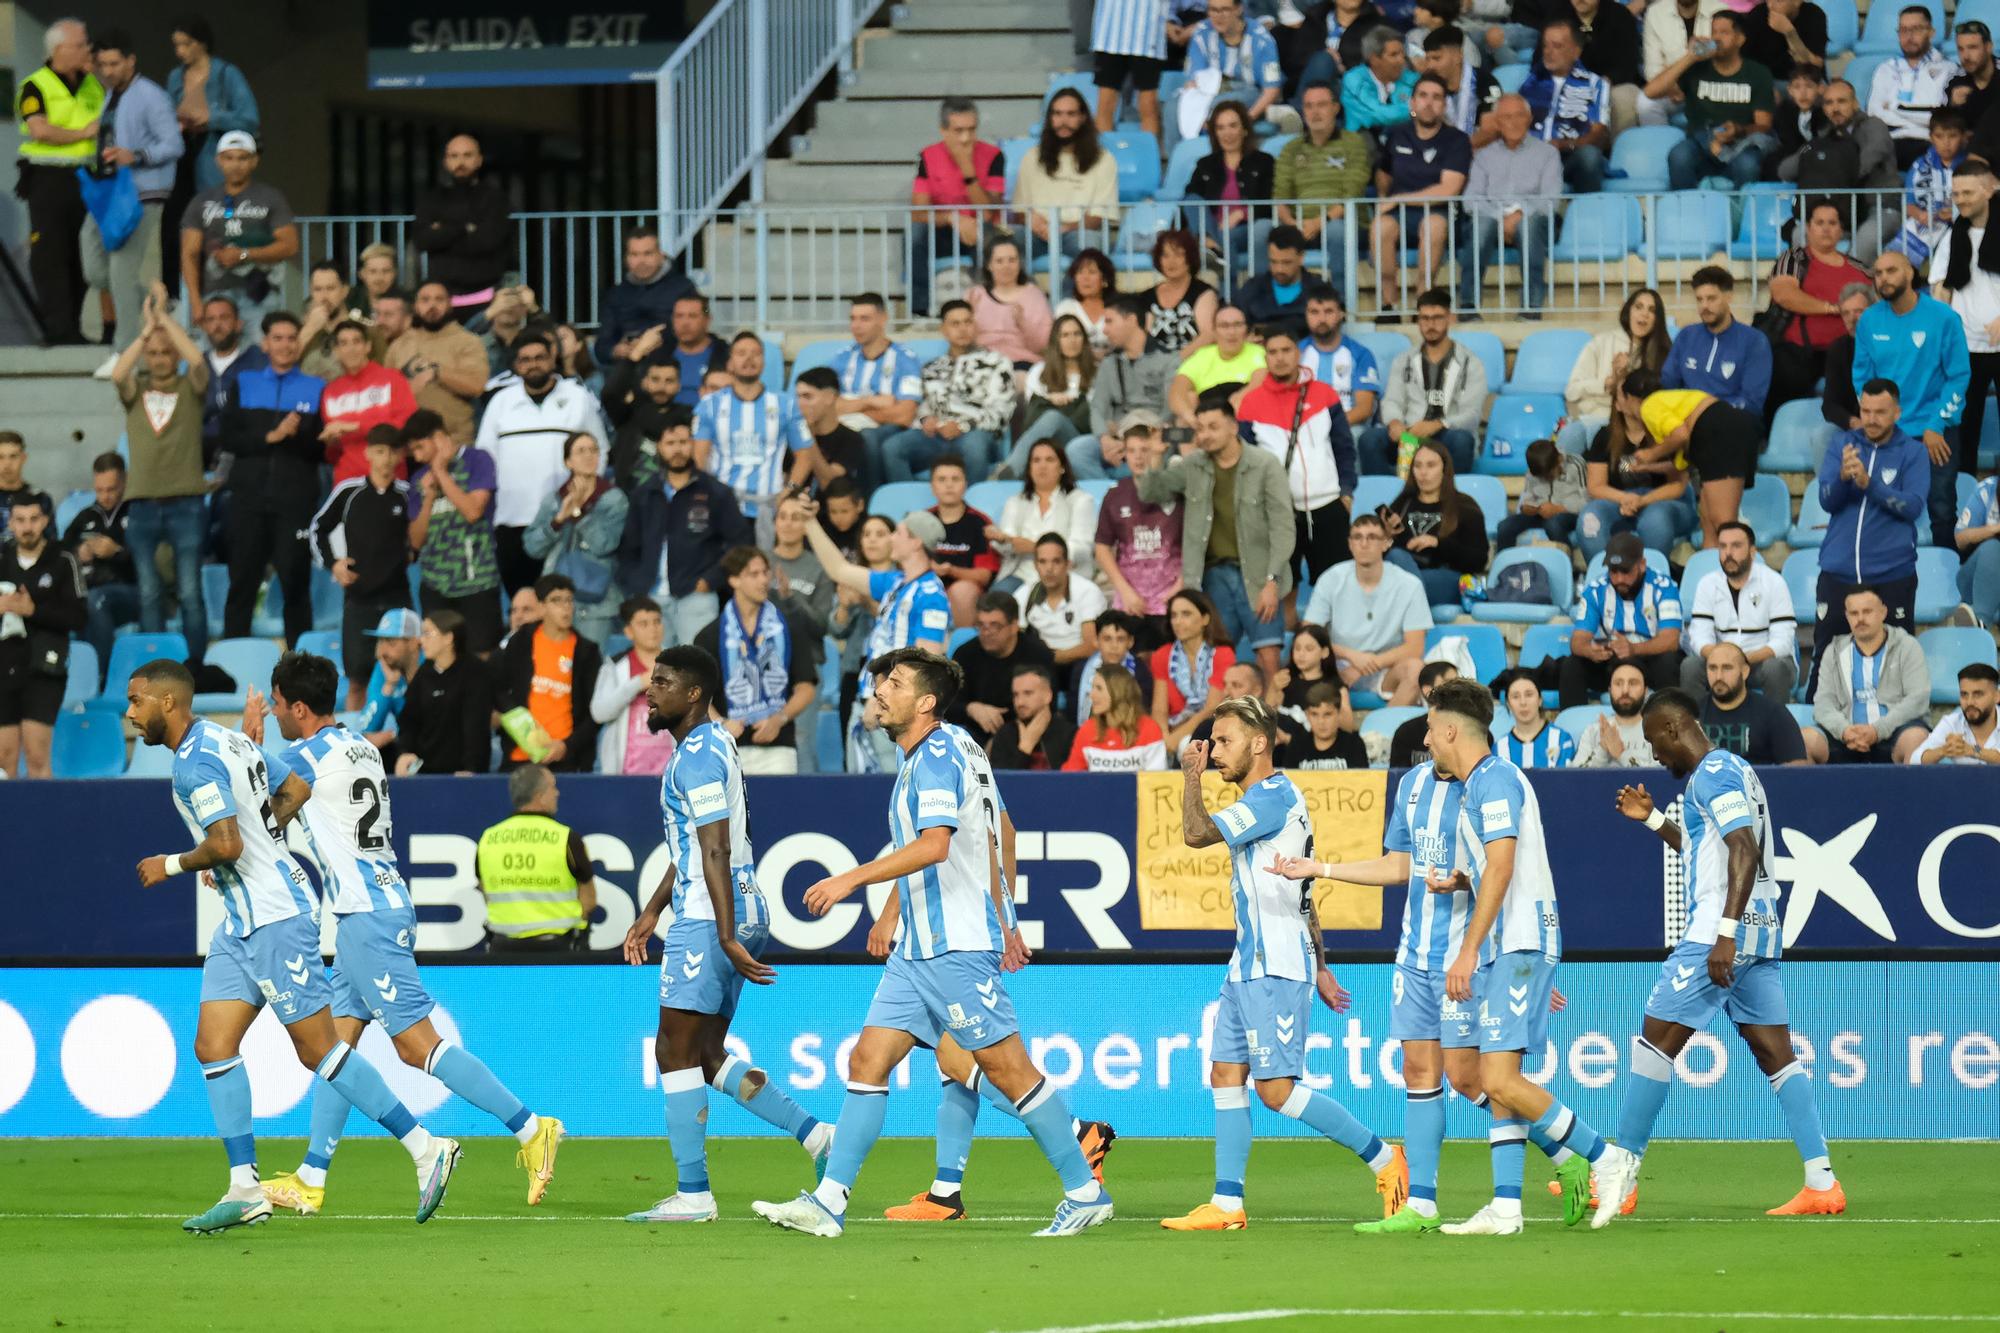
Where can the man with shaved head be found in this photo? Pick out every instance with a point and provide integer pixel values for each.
(462, 226)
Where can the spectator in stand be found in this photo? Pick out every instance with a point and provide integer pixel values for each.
(1061, 606)
(1972, 91)
(461, 226)
(1800, 119)
(272, 428)
(228, 351)
(1671, 28)
(1873, 690)
(1231, 361)
(1617, 740)
(626, 741)
(989, 660)
(1610, 48)
(1436, 533)
(15, 489)
(651, 289)
(1010, 315)
(1375, 95)
(1511, 200)
(1570, 106)
(361, 536)
(1179, 311)
(1128, 43)
(1854, 151)
(1806, 284)
(1470, 93)
(1628, 613)
(1839, 405)
(1117, 645)
(802, 590)
(1308, 662)
(1057, 395)
(512, 314)
(1276, 298)
(59, 110)
(964, 561)
(524, 611)
(1425, 162)
(1729, 107)
(577, 530)
(960, 178)
(1744, 721)
(1298, 420)
(696, 350)
(837, 450)
(1245, 59)
(640, 391)
(1431, 20)
(139, 133)
(1118, 736)
(236, 237)
(1718, 354)
(1873, 485)
(1325, 162)
(98, 540)
(451, 530)
(1089, 288)
(1138, 544)
(1331, 357)
(677, 529)
(328, 302)
(397, 649)
(968, 401)
(1337, 30)
(881, 382)
(447, 720)
(550, 670)
(1782, 35)
(1927, 188)
(43, 603)
(1978, 551)
(573, 359)
(1690, 430)
(1408, 747)
(1131, 379)
(1188, 669)
(1322, 744)
(1049, 504)
(747, 435)
(1918, 343)
(768, 666)
(1911, 84)
(1375, 614)
(1745, 603)
(1436, 392)
(842, 516)
(446, 365)
(165, 489)
(1036, 736)
(377, 275)
(212, 98)
(525, 429)
(1235, 178)
(1533, 740)
(1966, 736)
(365, 394)
(1965, 274)
(1556, 489)
(1067, 189)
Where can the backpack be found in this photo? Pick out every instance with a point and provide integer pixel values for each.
(1525, 584)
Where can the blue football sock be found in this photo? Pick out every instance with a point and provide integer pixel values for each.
(229, 1100)
(467, 1075)
(1232, 1146)
(1795, 1095)
(1508, 1140)
(687, 1127)
(958, 1113)
(1047, 1118)
(1560, 1127)
(1335, 1121)
(992, 1096)
(854, 1134)
(1652, 1076)
(361, 1083)
(329, 1122)
(764, 1101)
(1423, 1140)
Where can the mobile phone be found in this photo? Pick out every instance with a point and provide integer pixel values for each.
(1179, 434)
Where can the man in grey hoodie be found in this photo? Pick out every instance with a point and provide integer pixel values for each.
(1874, 690)
(1130, 379)
(1435, 390)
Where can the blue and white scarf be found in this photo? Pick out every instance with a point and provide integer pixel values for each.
(755, 676)
(1190, 678)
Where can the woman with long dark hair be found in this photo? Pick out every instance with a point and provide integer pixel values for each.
(1640, 342)
(1049, 503)
(1438, 534)
(1236, 179)
(1091, 286)
(1187, 673)
(1009, 312)
(1628, 494)
(1057, 396)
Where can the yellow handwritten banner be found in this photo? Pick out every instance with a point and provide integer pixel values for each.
(1185, 888)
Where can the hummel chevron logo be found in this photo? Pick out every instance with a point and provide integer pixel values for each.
(388, 991)
(988, 996)
(692, 967)
(1683, 977)
(1517, 1000)
(1285, 1026)
(296, 967)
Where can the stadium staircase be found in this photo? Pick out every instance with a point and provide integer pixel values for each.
(67, 417)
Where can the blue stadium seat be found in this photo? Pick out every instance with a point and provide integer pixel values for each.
(1138, 156)
(1809, 529)
(1801, 714)
(1879, 36)
(1937, 583)
(129, 652)
(1801, 574)
(926, 350)
(1079, 81)
(989, 497)
(815, 354)
(1799, 436)
(215, 591)
(1180, 168)
(82, 685)
(1015, 152)
(1843, 28)
(1489, 495)
(1699, 566)
(322, 643)
(1386, 720)
(248, 662)
(1542, 642)
(1511, 77)
(1758, 238)
(268, 619)
(1561, 587)
(774, 362)
(1518, 420)
(1492, 354)
(327, 598)
(827, 742)
(1544, 359)
(1655, 560)
(1641, 153)
(1966, 11)
(894, 499)
(1133, 252)
(1968, 488)
(961, 636)
(1767, 508)
(1369, 492)
(1580, 719)
(1605, 227)
(88, 745)
(1385, 344)
(149, 761)
(1691, 224)
(1860, 71)
(1096, 488)
(1949, 647)
(1274, 144)
(1488, 648)
(69, 507)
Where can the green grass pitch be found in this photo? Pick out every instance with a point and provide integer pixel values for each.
(90, 1239)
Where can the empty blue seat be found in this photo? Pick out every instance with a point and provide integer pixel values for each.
(1385, 345)
(88, 744)
(989, 497)
(129, 652)
(1861, 69)
(1541, 642)
(1488, 648)
(1937, 583)
(1799, 436)
(1511, 77)
(1561, 588)
(1386, 720)
(1544, 359)
(1137, 154)
(1015, 152)
(1492, 354)
(1518, 421)
(1879, 36)
(1949, 647)
(1767, 508)
(327, 598)
(1699, 566)
(1605, 227)
(1843, 30)
(1143, 224)
(1809, 528)
(322, 643)
(1489, 495)
(926, 350)
(68, 508)
(827, 742)
(149, 761)
(82, 685)
(1081, 82)
(1964, 12)
(1641, 153)
(816, 354)
(1758, 238)
(1096, 488)
(961, 636)
(1801, 574)
(248, 662)
(1691, 224)
(1968, 488)
(1370, 492)
(1180, 168)
(894, 499)
(215, 591)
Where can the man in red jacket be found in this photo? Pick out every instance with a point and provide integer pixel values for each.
(366, 394)
(1302, 421)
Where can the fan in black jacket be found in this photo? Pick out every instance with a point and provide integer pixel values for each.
(462, 226)
(42, 603)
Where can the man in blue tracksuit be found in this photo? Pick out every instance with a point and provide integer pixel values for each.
(271, 427)
(1720, 356)
(681, 524)
(1919, 342)
(1874, 483)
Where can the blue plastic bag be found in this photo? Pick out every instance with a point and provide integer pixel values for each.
(114, 204)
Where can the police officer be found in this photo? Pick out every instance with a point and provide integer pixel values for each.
(535, 872)
(57, 113)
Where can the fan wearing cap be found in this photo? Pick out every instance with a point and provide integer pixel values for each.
(236, 235)
(1628, 613)
(361, 536)
(397, 642)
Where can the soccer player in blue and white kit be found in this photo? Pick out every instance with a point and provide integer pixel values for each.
(744, 434)
(336, 786)
(266, 951)
(1729, 957)
(1266, 1007)
(945, 977)
(721, 925)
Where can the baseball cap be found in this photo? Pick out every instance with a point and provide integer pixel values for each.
(1624, 551)
(235, 139)
(1139, 419)
(398, 623)
(925, 526)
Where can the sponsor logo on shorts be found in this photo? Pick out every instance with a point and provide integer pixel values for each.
(1255, 1048)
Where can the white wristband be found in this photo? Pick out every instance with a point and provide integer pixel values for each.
(1726, 929)
(173, 865)
(1655, 819)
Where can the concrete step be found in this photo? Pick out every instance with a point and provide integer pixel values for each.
(840, 183)
(66, 418)
(988, 17)
(819, 265)
(1030, 53)
(899, 83)
(911, 125)
(877, 149)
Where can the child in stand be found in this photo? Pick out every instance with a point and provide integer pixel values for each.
(1551, 497)
(1927, 188)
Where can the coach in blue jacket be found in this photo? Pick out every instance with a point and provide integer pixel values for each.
(1918, 341)
(1873, 483)
(1719, 356)
(680, 526)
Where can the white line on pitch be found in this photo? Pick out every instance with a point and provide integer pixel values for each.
(1266, 1316)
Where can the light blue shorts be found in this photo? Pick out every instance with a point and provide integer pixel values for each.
(1684, 993)
(278, 965)
(374, 972)
(695, 976)
(1263, 1024)
(957, 993)
(1458, 1020)
(1417, 1006)
(1513, 997)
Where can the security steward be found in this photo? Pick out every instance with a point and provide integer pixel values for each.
(57, 112)
(535, 873)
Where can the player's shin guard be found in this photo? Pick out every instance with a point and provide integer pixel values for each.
(1335, 1121)
(1232, 1146)
(1645, 1093)
(328, 1123)
(1507, 1140)
(687, 1127)
(958, 1113)
(1047, 1118)
(1795, 1096)
(229, 1100)
(361, 1083)
(467, 1075)
(762, 1100)
(860, 1124)
(1423, 1142)
(1560, 1127)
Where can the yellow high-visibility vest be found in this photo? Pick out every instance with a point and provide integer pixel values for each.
(66, 110)
(524, 871)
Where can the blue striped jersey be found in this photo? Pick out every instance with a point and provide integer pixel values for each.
(1252, 62)
(1551, 747)
(1130, 28)
(748, 440)
(1428, 822)
(1567, 109)
(911, 610)
(1866, 682)
(1348, 367)
(1723, 795)
(947, 907)
(1655, 605)
(1500, 803)
(347, 820)
(703, 782)
(1266, 822)
(221, 774)
(976, 758)
(898, 372)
